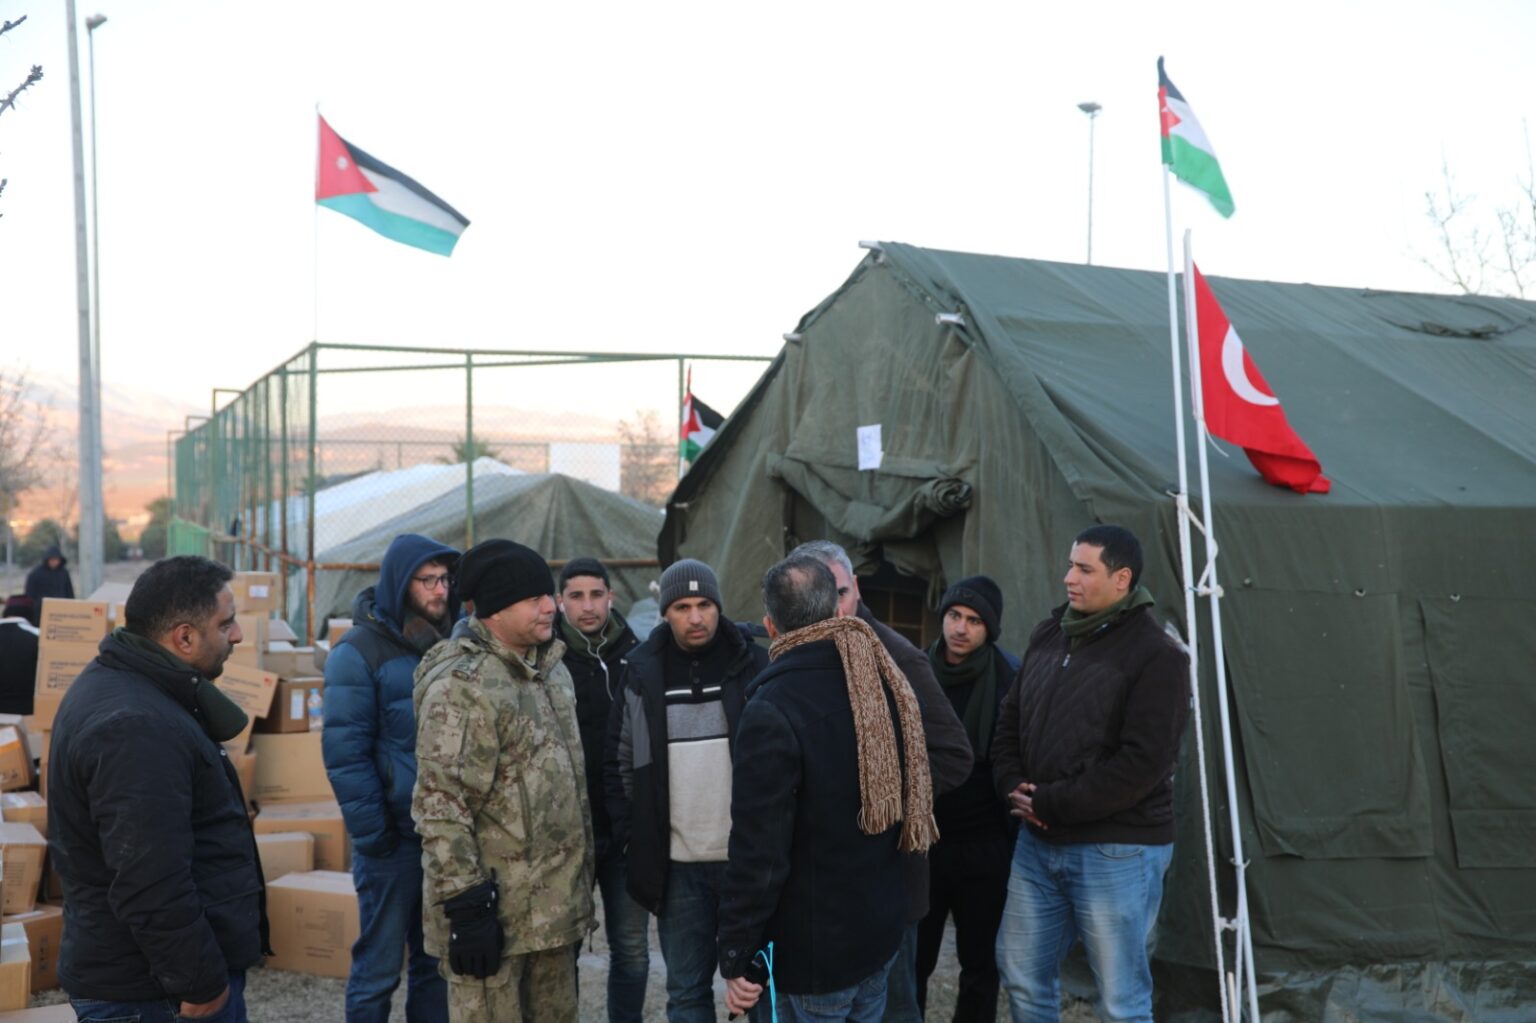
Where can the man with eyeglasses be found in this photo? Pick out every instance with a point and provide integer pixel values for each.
(370, 755)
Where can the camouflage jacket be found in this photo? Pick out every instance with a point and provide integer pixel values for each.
(501, 788)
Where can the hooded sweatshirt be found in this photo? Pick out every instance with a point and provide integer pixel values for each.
(43, 581)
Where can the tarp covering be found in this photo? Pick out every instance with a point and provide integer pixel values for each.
(1381, 639)
(560, 517)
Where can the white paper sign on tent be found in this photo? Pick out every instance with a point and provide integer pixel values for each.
(870, 451)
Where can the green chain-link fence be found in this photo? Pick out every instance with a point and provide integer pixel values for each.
(342, 440)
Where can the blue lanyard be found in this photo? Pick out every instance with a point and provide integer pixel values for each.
(766, 955)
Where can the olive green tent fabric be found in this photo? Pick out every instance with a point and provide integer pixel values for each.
(1378, 637)
(556, 515)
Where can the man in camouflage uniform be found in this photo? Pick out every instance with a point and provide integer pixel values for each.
(501, 798)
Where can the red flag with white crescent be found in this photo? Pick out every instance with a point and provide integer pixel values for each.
(1240, 408)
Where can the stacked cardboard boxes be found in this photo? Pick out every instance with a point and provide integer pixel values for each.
(69, 632)
(15, 967)
(44, 927)
(314, 922)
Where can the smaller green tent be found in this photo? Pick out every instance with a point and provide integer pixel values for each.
(1380, 639)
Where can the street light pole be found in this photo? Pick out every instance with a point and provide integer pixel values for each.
(92, 519)
(92, 23)
(1092, 110)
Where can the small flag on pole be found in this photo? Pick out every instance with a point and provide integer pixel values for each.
(1238, 406)
(699, 424)
(373, 193)
(1186, 150)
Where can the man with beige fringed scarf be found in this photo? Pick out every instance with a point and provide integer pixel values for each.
(830, 784)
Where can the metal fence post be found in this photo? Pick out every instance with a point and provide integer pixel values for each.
(469, 450)
(310, 486)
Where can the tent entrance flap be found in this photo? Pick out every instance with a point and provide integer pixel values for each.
(1485, 701)
(895, 502)
(1360, 789)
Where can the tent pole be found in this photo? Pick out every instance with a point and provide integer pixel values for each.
(469, 450)
(1212, 590)
(1186, 559)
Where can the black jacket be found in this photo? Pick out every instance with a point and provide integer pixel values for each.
(18, 665)
(598, 681)
(972, 812)
(801, 874)
(1098, 730)
(642, 825)
(43, 581)
(163, 893)
(950, 761)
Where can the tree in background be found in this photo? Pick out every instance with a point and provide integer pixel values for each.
(24, 445)
(467, 452)
(647, 459)
(1477, 256)
(33, 77)
(45, 533)
(156, 533)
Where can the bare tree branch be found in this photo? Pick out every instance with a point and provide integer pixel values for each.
(33, 77)
(1461, 261)
(11, 24)
(647, 460)
(24, 441)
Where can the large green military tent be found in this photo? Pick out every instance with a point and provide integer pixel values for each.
(1381, 639)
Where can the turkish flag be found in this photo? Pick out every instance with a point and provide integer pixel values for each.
(336, 170)
(1240, 408)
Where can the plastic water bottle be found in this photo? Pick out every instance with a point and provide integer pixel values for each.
(316, 705)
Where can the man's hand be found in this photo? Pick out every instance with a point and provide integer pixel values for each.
(741, 994)
(202, 1010)
(1021, 804)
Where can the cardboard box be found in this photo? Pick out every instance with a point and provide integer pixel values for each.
(322, 650)
(250, 687)
(25, 808)
(335, 628)
(255, 591)
(72, 621)
(289, 768)
(290, 710)
(253, 639)
(285, 852)
(245, 769)
(58, 665)
(45, 929)
(45, 705)
(15, 967)
(279, 632)
(314, 922)
(320, 818)
(289, 661)
(21, 866)
(15, 760)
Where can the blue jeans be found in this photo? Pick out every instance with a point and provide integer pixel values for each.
(627, 926)
(1105, 893)
(862, 1003)
(901, 982)
(685, 929)
(389, 920)
(93, 1010)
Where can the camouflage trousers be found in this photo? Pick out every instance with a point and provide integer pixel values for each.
(539, 987)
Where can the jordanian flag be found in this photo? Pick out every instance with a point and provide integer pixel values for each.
(1186, 150)
(699, 425)
(370, 191)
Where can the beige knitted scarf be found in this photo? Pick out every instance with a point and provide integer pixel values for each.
(868, 667)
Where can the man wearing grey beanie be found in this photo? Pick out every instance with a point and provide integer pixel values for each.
(668, 775)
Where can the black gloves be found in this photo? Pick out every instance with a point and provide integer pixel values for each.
(474, 935)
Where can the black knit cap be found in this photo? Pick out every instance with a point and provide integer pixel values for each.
(584, 566)
(980, 594)
(496, 573)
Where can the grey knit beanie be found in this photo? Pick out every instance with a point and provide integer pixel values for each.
(688, 578)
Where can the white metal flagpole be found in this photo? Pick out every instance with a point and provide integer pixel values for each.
(1211, 588)
(1181, 503)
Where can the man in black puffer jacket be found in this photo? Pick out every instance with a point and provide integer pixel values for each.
(1084, 752)
(164, 906)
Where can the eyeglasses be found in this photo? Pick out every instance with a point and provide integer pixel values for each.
(431, 582)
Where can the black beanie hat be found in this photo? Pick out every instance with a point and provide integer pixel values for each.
(496, 573)
(583, 566)
(981, 595)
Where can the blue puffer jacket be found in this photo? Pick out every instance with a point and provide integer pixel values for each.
(370, 726)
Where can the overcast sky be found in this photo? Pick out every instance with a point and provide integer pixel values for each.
(693, 177)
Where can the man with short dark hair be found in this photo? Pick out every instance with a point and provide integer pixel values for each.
(164, 905)
(369, 744)
(830, 785)
(968, 865)
(669, 779)
(949, 764)
(1085, 748)
(501, 798)
(596, 640)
